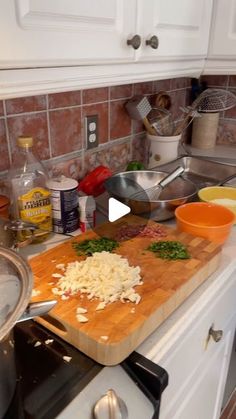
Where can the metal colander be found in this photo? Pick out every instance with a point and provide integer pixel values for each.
(214, 100)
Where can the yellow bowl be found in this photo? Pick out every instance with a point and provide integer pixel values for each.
(211, 221)
(222, 195)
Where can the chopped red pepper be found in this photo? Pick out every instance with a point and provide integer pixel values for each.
(93, 182)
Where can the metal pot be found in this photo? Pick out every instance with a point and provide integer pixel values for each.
(16, 281)
(123, 186)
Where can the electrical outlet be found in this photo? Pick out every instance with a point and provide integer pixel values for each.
(91, 129)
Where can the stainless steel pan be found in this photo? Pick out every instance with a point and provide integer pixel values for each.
(123, 186)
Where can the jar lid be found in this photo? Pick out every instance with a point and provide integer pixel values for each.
(25, 141)
(16, 281)
(62, 183)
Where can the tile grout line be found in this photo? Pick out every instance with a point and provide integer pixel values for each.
(48, 127)
(132, 127)
(109, 115)
(82, 132)
(7, 132)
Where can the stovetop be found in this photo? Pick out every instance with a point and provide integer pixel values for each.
(46, 382)
(53, 376)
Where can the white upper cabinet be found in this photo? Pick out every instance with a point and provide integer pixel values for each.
(181, 26)
(65, 32)
(56, 45)
(222, 43)
(68, 32)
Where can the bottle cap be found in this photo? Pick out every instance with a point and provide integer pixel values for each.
(25, 141)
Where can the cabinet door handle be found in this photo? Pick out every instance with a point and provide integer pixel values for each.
(215, 334)
(134, 42)
(153, 42)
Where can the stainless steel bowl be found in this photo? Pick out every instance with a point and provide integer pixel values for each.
(124, 185)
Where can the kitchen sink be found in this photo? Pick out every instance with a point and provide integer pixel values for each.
(201, 171)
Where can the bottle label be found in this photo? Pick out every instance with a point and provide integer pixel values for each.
(35, 206)
(87, 221)
(65, 214)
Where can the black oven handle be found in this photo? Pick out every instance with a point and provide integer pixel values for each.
(149, 377)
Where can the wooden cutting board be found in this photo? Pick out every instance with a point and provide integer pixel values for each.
(112, 334)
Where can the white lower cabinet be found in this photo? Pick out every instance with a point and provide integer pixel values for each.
(197, 364)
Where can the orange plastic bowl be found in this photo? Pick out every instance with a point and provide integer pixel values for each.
(211, 221)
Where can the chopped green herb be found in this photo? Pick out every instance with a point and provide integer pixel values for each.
(90, 246)
(171, 250)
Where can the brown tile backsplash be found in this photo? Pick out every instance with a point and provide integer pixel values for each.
(232, 81)
(63, 100)
(1, 108)
(65, 131)
(56, 121)
(4, 160)
(216, 80)
(179, 83)
(145, 88)
(25, 104)
(139, 148)
(227, 132)
(178, 100)
(121, 92)
(120, 155)
(33, 124)
(120, 122)
(161, 85)
(72, 168)
(95, 95)
(95, 158)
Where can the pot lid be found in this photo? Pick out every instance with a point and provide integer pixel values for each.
(16, 281)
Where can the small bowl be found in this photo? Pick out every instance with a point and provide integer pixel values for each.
(211, 221)
(222, 195)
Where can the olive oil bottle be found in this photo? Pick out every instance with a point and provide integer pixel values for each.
(30, 197)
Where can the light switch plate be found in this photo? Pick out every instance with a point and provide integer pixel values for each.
(91, 131)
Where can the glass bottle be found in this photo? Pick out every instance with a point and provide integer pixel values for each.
(30, 197)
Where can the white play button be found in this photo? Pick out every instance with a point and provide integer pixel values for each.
(116, 209)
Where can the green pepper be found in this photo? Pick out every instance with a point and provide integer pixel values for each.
(135, 165)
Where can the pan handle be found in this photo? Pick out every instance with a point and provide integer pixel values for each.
(37, 309)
